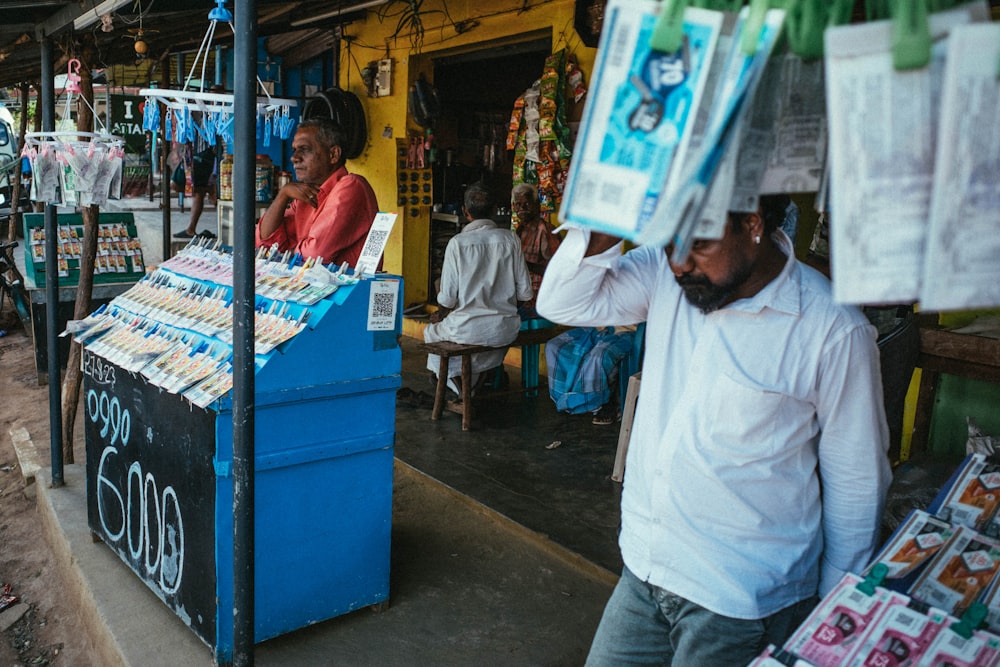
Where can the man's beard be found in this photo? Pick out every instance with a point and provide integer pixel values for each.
(707, 296)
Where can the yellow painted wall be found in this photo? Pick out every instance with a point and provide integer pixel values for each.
(408, 249)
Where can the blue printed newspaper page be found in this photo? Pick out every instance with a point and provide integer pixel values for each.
(638, 120)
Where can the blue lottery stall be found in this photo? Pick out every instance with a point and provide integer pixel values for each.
(160, 485)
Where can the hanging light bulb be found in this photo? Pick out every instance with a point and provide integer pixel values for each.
(141, 47)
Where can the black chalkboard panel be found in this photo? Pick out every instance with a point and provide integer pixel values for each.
(151, 487)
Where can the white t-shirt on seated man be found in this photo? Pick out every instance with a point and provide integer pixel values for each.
(483, 280)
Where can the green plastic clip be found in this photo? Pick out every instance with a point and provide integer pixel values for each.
(718, 5)
(807, 20)
(668, 34)
(804, 25)
(874, 579)
(970, 621)
(911, 35)
(753, 26)
(877, 10)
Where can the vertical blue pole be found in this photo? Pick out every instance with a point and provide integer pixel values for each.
(244, 129)
(52, 281)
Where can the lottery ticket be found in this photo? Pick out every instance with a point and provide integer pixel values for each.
(959, 572)
(916, 540)
(975, 495)
(839, 625)
(638, 117)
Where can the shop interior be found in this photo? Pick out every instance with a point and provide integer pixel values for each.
(476, 91)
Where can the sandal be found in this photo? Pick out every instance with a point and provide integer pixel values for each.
(184, 234)
(607, 415)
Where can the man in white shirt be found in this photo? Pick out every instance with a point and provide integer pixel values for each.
(483, 280)
(757, 469)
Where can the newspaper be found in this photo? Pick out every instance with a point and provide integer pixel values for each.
(961, 268)
(637, 121)
(882, 144)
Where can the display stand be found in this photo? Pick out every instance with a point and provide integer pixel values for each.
(65, 310)
(160, 485)
(120, 256)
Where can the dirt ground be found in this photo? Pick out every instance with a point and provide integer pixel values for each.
(49, 633)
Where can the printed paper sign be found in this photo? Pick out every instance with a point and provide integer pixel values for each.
(382, 305)
(374, 246)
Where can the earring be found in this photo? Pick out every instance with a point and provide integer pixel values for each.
(756, 239)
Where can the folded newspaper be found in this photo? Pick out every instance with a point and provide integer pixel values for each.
(644, 159)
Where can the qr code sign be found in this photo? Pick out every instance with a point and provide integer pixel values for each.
(376, 239)
(383, 304)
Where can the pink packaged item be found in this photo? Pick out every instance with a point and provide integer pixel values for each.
(840, 623)
(899, 638)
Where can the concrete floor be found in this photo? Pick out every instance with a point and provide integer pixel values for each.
(505, 462)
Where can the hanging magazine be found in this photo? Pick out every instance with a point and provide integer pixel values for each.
(961, 268)
(882, 146)
(638, 118)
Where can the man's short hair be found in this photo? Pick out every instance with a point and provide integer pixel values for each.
(327, 131)
(479, 201)
(524, 189)
(772, 210)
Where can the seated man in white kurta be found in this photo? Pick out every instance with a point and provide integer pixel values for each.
(483, 280)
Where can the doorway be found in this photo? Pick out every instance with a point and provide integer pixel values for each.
(477, 90)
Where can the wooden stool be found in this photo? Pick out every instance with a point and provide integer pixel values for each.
(447, 349)
(528, 340)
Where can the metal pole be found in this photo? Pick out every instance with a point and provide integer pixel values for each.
(165, 178)
(52, 281)
(245, 96)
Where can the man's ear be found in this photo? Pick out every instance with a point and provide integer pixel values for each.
(335, 154)
(753, 223)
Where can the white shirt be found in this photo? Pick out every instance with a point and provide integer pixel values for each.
(482, 279)
(757, 468)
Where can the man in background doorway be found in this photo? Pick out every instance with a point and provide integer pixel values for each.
(483, 281)
(538, 239)
(327, 211)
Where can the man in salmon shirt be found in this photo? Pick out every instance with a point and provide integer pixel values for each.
(327, 211)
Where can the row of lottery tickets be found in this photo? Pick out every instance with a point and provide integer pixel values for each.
(938, 602)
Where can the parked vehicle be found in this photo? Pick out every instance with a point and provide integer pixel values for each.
(10, 167)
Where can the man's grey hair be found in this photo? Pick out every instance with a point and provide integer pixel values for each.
(327, 131)
(524, 189)
(479, 201)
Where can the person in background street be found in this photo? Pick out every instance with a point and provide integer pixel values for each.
(326, 212)
(538, 239)
(757, 469)
(483, 282)
(199, 159)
